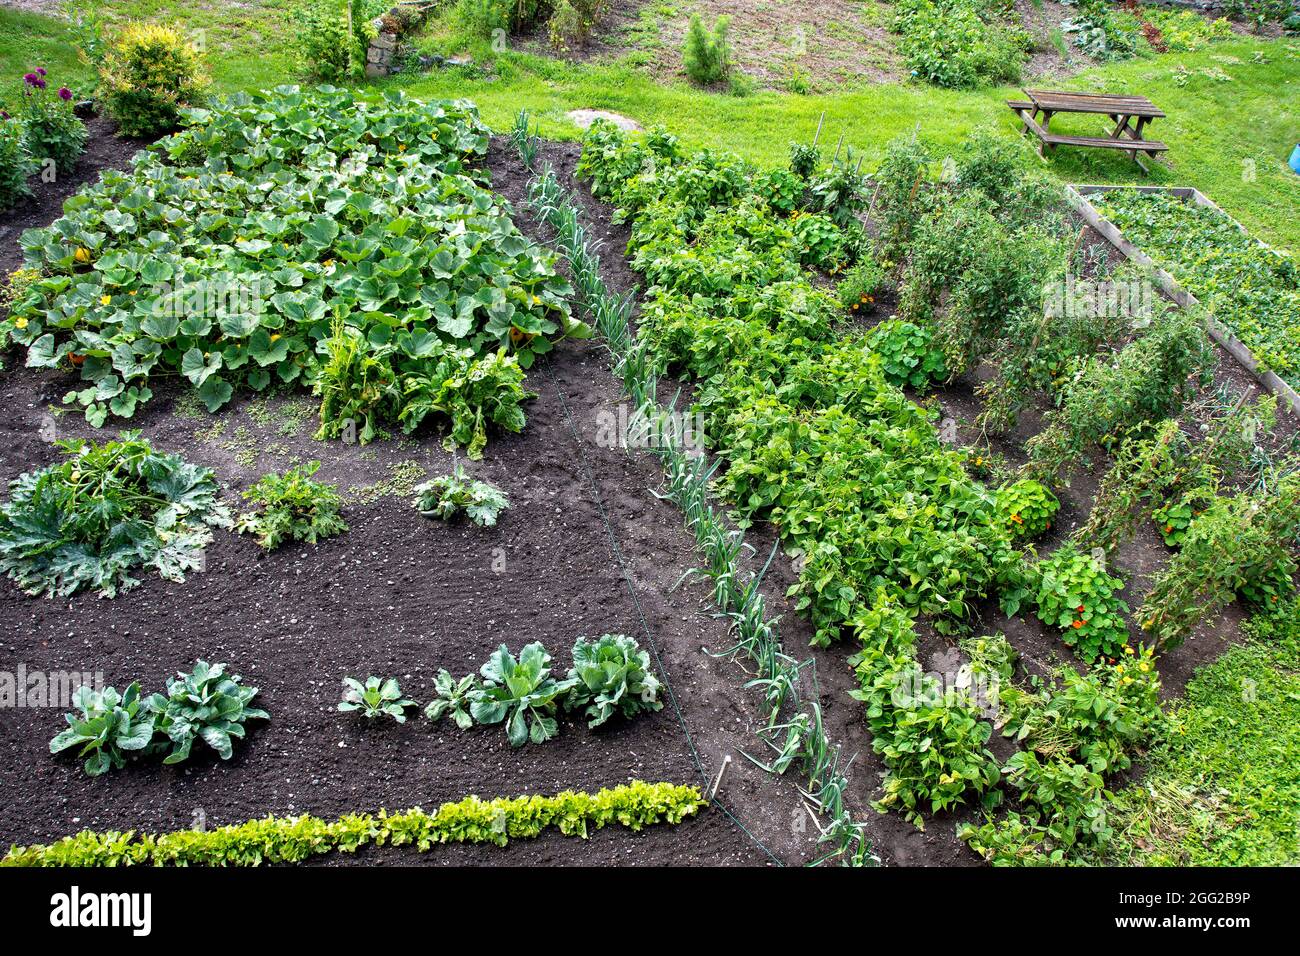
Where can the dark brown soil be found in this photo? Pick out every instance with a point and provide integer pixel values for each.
(400, 596)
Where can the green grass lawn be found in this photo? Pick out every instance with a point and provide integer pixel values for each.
(1221, 789)
(1215, 126)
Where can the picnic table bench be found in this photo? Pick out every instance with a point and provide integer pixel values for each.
(1130, 114)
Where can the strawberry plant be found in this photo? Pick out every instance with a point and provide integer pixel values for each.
(108, 728)
(521, 693)
(1077, 595)
(449, 495)
(375, 698)
(452, 697)
(1026, 507)
(205, 704)
(103, 512)
(292, 507)
(611, 675)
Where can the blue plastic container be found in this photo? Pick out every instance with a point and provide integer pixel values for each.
(1295, 159)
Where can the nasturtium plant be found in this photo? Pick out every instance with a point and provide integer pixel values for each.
(228, 251)
(1027, 507)
(521, 692)
(103, 512)
(108, 726)
(611, 675)
(377, 697)
(1076, 594)
(206, 704)
(908, 353)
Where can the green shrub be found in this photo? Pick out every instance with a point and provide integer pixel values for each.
(16, 163)
(611, 675)
(324, 44)
(150, 74)
(707, 57)
(292, 507)
(948, 43)
(104, 511)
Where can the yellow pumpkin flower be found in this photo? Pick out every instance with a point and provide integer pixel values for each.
(20, 322)
(105, 300)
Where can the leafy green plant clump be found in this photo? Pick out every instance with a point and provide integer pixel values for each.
(1250, 288)
(52, 131)
(611, 675)
(300, 237)
(1076, 593)
(104, 512)
(447, 496)
(273, 840)
(16, 164)
(521, 693)
(205, 704)
(377, 697)
(860, 284)
(959, 43)
(151, 74)
(707, 55)
(1027, 507)
(452, 697)
(293, 506)
(908, 354)
(109, 726)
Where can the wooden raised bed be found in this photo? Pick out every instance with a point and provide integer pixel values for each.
(1077, 196)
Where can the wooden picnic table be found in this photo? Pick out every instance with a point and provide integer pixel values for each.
(1130, 114)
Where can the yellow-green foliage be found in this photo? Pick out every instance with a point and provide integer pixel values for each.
(292, 839)
(151, 73)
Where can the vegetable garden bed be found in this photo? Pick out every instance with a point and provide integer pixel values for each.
(1080, 197)
(396, 594)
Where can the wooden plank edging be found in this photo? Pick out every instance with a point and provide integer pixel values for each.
(1076, 196)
